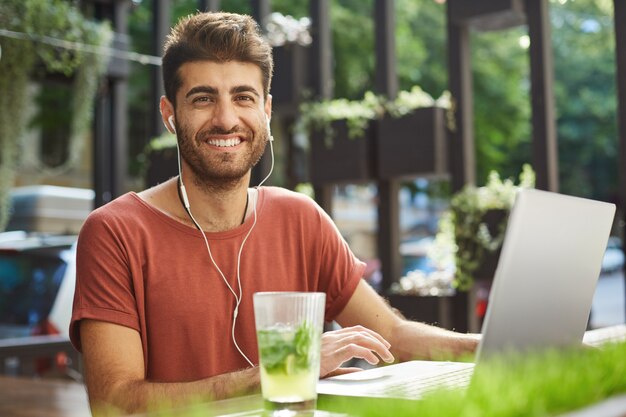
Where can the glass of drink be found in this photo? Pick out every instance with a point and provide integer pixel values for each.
(289, 330)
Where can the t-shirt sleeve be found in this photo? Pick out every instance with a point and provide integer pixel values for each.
(340, 270)
(104, 287)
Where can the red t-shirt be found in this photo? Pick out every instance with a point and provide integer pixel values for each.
(140, 268)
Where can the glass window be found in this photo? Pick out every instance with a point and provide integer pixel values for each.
(29, 282)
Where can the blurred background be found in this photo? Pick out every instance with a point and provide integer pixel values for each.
(79, 126)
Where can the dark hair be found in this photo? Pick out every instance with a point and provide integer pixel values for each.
(218, 37)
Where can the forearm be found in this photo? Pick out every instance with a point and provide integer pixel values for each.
(135, 396)
(412, 340)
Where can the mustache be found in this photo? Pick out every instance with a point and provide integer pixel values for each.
(220, 131)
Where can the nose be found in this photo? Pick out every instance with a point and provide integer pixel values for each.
(225, 116)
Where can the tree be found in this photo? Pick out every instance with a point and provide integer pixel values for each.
(584, 79)
(585, 91)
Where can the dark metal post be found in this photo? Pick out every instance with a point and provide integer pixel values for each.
(385, 36)
(545, 152)
(209, 5)
(461, 146)
(119, 89)
(321, 75)
(321, 78)
(110, 133)
(620, 58)
(101, 150)
(160, 28)
(388, 204)
(260, 10)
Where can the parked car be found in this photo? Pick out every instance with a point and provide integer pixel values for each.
(49, 209)
(613, 260)
(414, 255)
(37, 278)
(37, 268)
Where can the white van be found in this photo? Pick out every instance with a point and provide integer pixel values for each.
(49, 209)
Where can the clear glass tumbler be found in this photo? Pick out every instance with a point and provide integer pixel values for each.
(289, 328)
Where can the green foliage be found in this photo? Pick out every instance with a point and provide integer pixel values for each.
(25, 59)
(357, 113)
(165, 141)
(285, 351)
(319, 115)
(353, 46)
(464, 236)
(421, 45)
(502, 125)
(305, 188)
(584, 63)
(538, 384)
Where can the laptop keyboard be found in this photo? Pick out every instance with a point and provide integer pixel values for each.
(417, 387)
(403, 380)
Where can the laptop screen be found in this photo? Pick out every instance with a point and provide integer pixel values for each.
(547, 272)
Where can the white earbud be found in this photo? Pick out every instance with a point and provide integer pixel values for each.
(269, 129)
(171, 122)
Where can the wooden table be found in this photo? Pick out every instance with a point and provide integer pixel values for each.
(27, 397)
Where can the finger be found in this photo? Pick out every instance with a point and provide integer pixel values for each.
(361, 329)
(356, 351)
(357, 336)
(366, 341)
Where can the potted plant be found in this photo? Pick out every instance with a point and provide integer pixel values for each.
(411, 136)
(375, 137)
(470, 236)
(289, 38)
(472, 230)
(341, 138)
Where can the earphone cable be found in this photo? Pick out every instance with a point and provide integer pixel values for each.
(271, 166)
(208, 247)
(183, 194)
(237, 298)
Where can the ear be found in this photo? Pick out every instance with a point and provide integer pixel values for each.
(167, 112)
(268, 108)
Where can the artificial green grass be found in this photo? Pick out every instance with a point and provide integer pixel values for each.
(540, 384)
(532, 385)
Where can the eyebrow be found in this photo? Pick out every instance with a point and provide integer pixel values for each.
(245, 89)
(212, 90)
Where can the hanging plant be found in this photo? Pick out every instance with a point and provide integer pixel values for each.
(27, 28)
(465, 237)
(319, 115)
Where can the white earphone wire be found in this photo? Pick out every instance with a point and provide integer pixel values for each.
(238, 298)
(271, 166)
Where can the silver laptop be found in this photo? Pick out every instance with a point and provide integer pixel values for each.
(541, 294)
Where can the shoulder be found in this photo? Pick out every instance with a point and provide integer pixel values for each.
(293, 207)
(124, 206)
(116, 215)
(288, 198)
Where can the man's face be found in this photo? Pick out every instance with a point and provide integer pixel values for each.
(221, 119)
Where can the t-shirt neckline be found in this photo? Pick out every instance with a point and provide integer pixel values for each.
(171, 221)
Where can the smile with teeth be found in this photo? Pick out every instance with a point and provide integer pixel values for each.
(225, 143)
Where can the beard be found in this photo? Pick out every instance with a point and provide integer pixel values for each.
(221, 170)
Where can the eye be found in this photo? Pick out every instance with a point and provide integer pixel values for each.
(244, 97)
(201, 99)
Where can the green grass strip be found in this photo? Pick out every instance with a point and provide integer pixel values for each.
(533, 385)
